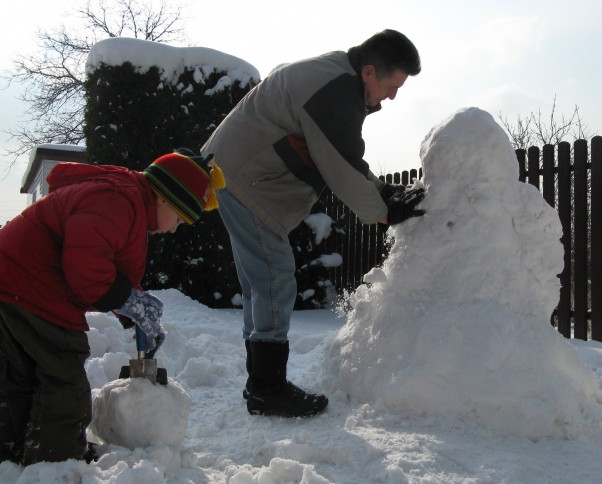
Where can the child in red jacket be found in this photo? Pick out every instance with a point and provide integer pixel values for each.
(81, 248)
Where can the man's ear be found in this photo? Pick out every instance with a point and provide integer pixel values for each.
(368, 71)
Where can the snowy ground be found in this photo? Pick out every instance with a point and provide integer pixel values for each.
(445, 369)
(347, 444)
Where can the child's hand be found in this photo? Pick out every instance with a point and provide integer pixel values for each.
(145, 309)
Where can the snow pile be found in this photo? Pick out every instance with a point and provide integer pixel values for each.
(172, 61)
(348, 443)
(457, 321)
(132, 412)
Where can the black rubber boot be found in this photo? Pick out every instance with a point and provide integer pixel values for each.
(92, 453)
(269, 392)
(245, 392)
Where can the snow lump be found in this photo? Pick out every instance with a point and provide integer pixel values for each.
(132, 412)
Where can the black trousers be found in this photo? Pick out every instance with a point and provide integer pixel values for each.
(45, 400)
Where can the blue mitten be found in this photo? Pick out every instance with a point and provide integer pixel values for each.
(145, 309)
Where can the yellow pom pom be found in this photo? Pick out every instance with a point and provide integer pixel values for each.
(217, 177)
(216, 182)
(211, 202)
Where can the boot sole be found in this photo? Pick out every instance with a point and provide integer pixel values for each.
(271, 412)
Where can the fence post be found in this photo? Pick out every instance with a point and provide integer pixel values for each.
(549, 192)
(564, 213)
(533, 166)
(521, 157)
(580, 247)
(366, 263)
(596, 237)
(413, 175)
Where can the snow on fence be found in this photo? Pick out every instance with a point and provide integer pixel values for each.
(570, 179)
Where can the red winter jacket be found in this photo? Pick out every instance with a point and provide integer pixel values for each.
(80, 248)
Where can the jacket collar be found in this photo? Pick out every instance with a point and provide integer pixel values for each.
(352, 54)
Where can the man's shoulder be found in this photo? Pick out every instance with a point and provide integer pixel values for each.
(311, 74)
(335, 58)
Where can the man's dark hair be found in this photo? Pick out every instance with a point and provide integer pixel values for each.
(389, 50)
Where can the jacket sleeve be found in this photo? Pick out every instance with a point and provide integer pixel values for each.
(332, 122)
(116, 296)
(95, 231)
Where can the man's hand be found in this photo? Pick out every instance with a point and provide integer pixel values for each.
(402, 203)
(390, 190)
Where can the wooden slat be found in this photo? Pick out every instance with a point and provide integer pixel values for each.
(533, 166)
(365, 264)
(564, 212)
(580, 329)
(596, 238)
(413, 175)
(521, 157)
(549, 188)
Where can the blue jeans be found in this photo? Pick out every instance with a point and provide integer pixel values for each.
(266, 270)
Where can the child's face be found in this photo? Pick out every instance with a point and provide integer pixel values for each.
(168, 219)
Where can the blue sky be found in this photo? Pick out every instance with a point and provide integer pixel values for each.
(508, 57)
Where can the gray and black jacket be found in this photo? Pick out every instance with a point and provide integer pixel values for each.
(298, 131)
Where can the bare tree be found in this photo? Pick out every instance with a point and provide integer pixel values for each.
(536, 129)
(54, 77)
(129, 18)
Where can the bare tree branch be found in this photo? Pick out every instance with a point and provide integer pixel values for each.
(535, 129)
(520, 134)
(134, 19)
(54, 77)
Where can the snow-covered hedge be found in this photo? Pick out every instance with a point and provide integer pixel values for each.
(145, 99)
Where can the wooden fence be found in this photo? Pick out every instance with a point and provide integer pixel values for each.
(570, 179)
(362, 246)
(571, 182)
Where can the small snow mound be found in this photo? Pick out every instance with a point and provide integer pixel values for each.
(132, 412)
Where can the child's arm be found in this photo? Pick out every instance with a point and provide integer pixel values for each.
(95, 234)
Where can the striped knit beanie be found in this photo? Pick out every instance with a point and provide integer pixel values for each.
(186, 183)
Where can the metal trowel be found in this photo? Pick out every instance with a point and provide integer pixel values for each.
(145, 365)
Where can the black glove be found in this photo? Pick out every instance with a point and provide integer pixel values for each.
(402, 205)
(389, 191)
(126, 322)
(159, 339)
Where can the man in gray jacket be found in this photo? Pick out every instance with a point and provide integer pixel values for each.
(297, 132)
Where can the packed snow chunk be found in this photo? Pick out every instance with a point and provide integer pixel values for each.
(457, 321)
(321, 226)
(132, 412)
